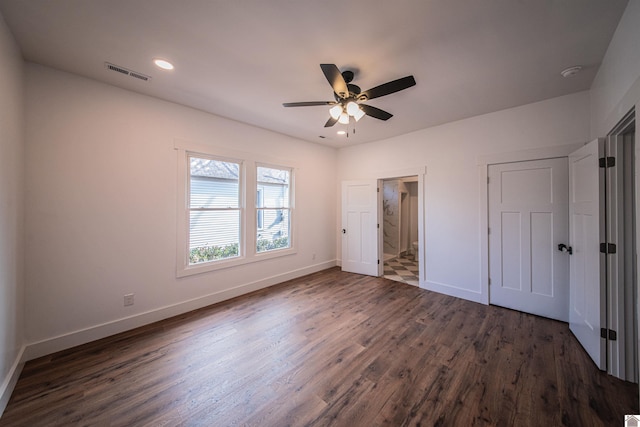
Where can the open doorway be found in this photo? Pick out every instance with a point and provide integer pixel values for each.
(399, 229)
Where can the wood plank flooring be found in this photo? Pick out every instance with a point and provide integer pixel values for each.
(328, 349)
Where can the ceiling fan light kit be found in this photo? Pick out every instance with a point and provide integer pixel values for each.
(358, 114)
(349, 97)
(352, 108)
(335, 111)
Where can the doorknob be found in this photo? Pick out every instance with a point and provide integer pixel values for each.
(564, 248)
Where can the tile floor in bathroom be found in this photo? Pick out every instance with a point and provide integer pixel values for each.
(402, 269)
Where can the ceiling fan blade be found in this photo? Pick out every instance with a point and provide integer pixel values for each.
(330, 122)
(389, 88)
(335, 79)
(375, 112)
(307, 104)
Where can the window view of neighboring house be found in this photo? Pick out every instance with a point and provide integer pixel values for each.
(214, 209)
(273, 210)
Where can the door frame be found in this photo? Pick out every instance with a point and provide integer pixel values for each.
(483, 163)
(616, 311)
(421, 173)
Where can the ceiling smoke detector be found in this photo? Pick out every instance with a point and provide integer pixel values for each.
(571, 71)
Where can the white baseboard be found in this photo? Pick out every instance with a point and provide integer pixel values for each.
(83, 336)
(11, 379)
(454, 291)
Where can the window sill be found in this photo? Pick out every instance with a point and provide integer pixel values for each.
(274, 253)
(230, 263)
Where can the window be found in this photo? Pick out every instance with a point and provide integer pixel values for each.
(273, 210)
(214, 209)
(215, 230)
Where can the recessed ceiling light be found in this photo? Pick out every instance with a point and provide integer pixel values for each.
(163, 63)
(341, 132)
(571, 71)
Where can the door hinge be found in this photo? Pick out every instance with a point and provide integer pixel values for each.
(488, 230)
(487, 180)
(377, 189)
(489, 281)
(608, 248)
(378, 225)
(378, 262)
(608, 334)
(607, 162)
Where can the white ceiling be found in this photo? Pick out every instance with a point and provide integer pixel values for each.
(242, 59)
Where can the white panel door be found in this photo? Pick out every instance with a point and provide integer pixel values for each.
(528, 219)
(360, 227)
(587, 281)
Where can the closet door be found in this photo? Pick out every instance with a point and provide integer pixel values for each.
(528, 219)
(587, 311)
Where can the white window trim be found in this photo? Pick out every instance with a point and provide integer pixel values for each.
(248, 220)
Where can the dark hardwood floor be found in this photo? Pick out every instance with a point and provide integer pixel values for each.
(331, 348)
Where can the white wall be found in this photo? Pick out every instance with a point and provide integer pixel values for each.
(616, 87)
(413, 215)
(390, 217)
(452, 188)
(101, 209)
(11, 205)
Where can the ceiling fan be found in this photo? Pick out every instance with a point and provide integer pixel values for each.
(349, 98)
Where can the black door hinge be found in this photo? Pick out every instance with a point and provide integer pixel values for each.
(607, 162)
(608, 333)
(608, 248)
(378, 262)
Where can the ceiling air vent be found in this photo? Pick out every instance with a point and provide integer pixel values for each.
(126, 72)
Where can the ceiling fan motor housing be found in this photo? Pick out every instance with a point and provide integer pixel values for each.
(354, 94)
(347, 75)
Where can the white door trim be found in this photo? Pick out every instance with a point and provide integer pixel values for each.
(421, 173)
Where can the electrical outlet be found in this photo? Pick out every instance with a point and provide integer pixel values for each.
(128, 299)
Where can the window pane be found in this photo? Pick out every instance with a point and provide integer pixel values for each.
(260, 204)
(213, 184)
(213, 235)
(275, 186)
(273, 175)
(275, 234)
